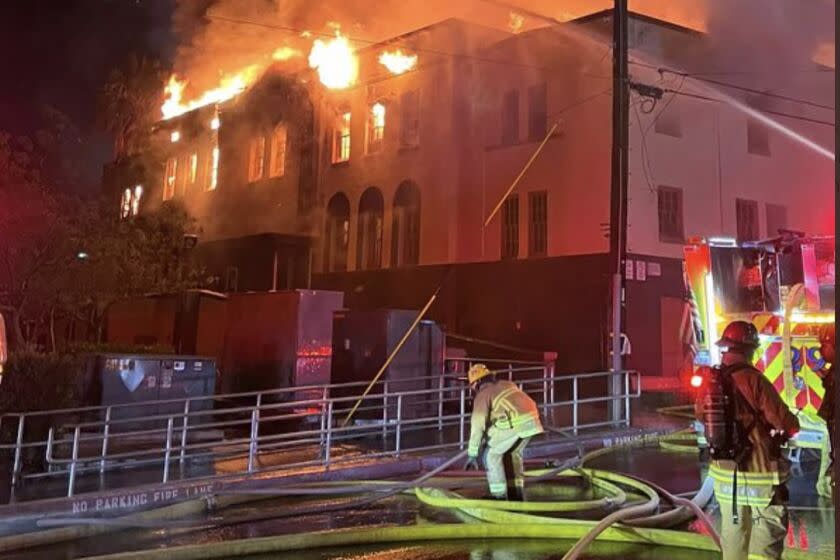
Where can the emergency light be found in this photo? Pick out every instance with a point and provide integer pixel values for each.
(696, 381)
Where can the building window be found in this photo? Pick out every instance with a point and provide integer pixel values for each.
(670, 210)
(278, 151)
(776, 219)
(212, 170)
(537, 112)
(537, 224)
(256, 159)
(405, 230)
(746, 217)
(169, 176)
(193, 169)
(758, 138)
(125, 204)
(231, 279)
(341, 138)
(667, 121)
(510, 117)
(376, 128)
(510, 227)
(410, 119)
(337, 234)
(135, 200)
(369, 246)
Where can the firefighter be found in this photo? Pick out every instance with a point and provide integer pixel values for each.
(826, 411)
(751, 488)
(509, 418)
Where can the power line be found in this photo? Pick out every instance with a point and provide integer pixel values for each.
(778, 113)
(734, 86)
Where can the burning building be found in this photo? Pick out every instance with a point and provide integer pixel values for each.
(374, 171)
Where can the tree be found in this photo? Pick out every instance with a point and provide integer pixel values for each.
(130, 102)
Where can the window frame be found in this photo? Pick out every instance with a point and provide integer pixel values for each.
(666, 234)
(375, 143)
(410, 118)
(538, 230)
(741, 207)
(758, 138)
(277, 161)
(510, 117)
(537, 121)
(509, 226)
(782, 211)
(341, 139)
(256, 158)
(170, 177)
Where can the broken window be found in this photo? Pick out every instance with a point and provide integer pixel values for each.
(537, 224)
(405, 230)
(670, 210)
(746, 217)
(278, 151)
(537, 112)
(510, 227)
(169, 175)
(376, 128)
(256, 159)
(410, 118)
(193, 169)
(213, 169)
(510, 117)
(341, 138)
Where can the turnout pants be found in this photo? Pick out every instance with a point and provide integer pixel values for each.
(760, 533)
(504, 465)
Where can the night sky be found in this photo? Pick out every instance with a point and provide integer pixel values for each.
(59, 52)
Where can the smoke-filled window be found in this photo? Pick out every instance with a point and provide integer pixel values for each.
(278, 151)
(410, 118)
(746, 216)
(510, 117)
(670, 210)
(256, 159)
(341, 138)
(758, 138)
(169, 176)
(369, 247)
(537, 112)
(212, 170)
(376, 128)
(405, 227)
(337, 234)
(510, 227)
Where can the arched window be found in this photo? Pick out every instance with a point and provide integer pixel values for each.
(405, 231)
(369, 248)
(337, 234)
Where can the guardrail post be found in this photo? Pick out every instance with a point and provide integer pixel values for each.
(510, 372)
(627, 398)
(440, 403)
(329, 436)
(16, 467)
(48, 452)
(324, 395)
(399, 423)
(74, 457)
(183, 453)
(553, 382)
(168, 453)
(463, 416)
(385, 410)
(252, 444)
(575, 405)
(106, 430)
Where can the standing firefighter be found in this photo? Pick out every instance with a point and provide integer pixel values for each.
(746, 423)
(826, 411)
(510, 419)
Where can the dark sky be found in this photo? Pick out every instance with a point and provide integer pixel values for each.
(59, 52)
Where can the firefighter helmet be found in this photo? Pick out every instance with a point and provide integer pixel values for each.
(477, 372)
(739, 335)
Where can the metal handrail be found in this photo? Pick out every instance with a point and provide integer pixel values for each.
(324, 434)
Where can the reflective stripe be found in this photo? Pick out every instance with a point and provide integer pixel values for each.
(498, 488)
(722, 473)
(755, 489)
(754, 556)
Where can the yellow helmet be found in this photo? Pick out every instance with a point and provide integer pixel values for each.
(477, 371)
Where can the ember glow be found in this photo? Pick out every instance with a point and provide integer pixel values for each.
(397, 62)
(285, 53)
(229, 86)
(335, 61)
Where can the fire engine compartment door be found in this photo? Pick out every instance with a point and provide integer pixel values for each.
(739, 280)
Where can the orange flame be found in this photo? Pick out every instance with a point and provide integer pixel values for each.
(397, 62)
(174, 104)
(335, 62)
(285, 53)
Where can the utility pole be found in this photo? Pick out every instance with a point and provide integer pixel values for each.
(618, 196)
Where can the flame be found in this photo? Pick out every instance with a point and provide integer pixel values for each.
(335, 61)
(397, 62)
(516, 22)
(285, 53)
(229, 87)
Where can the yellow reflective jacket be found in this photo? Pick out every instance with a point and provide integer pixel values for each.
(502, 410)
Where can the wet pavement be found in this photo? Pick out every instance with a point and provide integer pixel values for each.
(812, 522)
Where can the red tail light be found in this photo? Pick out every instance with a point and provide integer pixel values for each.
(696, 381)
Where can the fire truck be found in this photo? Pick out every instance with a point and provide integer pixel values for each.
(785, 287)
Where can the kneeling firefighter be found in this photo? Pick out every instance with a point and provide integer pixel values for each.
(509, 418)
(746, 423)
